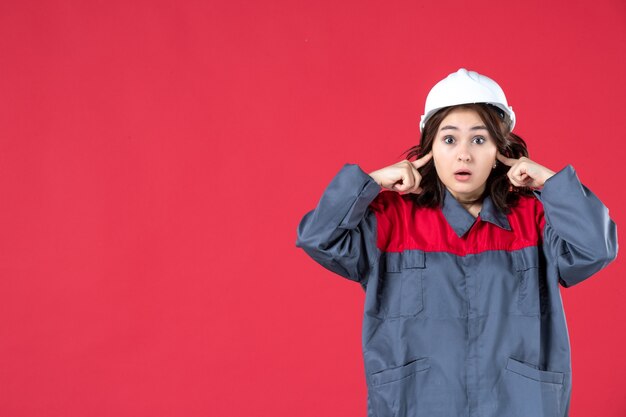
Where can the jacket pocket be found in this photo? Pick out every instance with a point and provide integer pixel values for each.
(399, 372)
(526, 263)
(529, 391)
(531, 372)
(401, 292)
(395, 392)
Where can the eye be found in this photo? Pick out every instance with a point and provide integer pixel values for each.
(448, 140)
(479, 140)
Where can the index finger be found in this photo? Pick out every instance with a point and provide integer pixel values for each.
(506, 161)
(418, 163)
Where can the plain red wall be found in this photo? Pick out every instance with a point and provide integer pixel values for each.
(157, 156)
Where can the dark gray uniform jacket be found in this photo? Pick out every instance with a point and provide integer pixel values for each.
(463, 316)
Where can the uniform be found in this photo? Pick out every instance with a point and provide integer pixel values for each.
(462, 316)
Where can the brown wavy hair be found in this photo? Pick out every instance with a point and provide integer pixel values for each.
(503, 193)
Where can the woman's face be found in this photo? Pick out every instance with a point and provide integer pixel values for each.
(464, 153)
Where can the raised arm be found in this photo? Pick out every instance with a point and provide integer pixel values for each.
(340, 233)
(578, 231)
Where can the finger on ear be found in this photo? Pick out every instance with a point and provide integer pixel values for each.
(505, 160)
(423, 160)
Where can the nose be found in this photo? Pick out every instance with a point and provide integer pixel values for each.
(464, 152)
(464, 156)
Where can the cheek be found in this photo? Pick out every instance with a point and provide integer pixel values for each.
(439, 159)
(440, 156)
(487, 151)
(487, 158)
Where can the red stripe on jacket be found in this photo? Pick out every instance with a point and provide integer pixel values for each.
(402, 225)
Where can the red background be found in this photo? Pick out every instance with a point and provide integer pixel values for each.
(157, 156)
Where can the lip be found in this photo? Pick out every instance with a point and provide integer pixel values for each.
(462, 178)
(462, 171)
(462, 175)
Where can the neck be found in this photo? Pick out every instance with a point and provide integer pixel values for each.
(468, 199)
(472, 203)
(473, 208)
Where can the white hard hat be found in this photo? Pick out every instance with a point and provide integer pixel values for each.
(463, 87)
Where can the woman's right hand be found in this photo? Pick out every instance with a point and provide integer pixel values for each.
(402, 176)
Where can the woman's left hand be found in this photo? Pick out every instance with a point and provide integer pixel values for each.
(524, 172)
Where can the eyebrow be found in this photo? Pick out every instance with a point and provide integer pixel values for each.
(450, 127)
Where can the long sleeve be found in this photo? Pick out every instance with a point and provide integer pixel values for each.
(578, 232)
(340, 233)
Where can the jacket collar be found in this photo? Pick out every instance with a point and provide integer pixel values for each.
(461, 220)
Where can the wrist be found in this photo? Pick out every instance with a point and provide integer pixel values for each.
(374, 176)
(549, 174)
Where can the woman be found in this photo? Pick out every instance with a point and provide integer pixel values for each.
(460, 253)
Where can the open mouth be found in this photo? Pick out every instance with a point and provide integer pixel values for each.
(462, 174)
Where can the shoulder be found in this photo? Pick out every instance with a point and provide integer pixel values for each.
(527, 204)
(387, 202)
(399, 209)
(397, 212)
(528, 209)
(400, 220)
